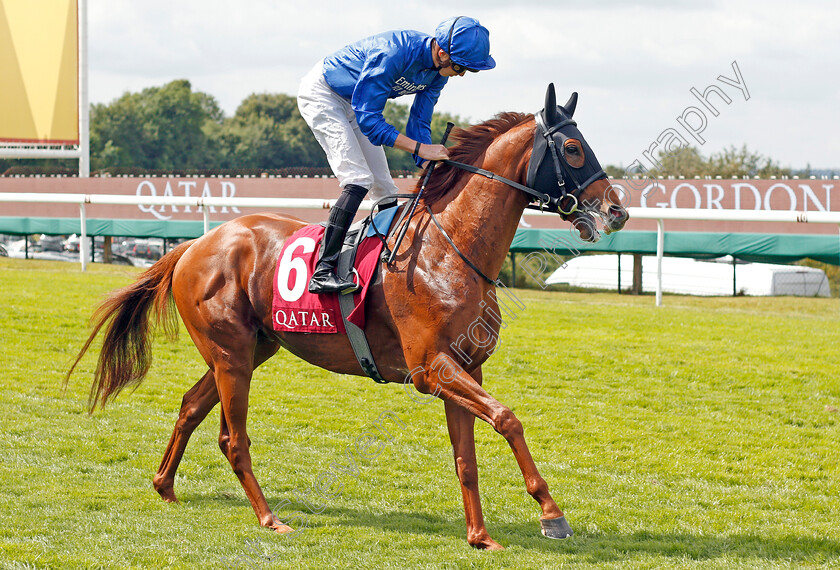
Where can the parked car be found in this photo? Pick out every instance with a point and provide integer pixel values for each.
(123, 246)
(71, 244)
(51, 243)
(146, 249)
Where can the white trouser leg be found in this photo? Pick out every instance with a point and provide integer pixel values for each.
(383, 184)
(352, 157)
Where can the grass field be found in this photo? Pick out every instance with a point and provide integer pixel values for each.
(702, 434)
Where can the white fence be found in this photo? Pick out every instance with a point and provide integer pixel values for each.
(658, 214)
(662, 214)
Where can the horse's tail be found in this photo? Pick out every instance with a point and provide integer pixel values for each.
(126, 349)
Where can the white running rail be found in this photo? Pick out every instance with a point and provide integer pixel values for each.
(658, 214)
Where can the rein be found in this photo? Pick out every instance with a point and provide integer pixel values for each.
(544, 143)
(458, 251)
(539, 196)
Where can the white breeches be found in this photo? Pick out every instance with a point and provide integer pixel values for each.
(352, 157)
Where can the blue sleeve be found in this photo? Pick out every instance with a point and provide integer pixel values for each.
(419, 126)
(370, 95)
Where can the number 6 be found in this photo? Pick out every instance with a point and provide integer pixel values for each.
(289, 264)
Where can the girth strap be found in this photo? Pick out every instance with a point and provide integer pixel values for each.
(356, 336)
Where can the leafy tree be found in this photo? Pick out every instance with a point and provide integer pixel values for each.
(439, 121)
(267, 132)
(397, 115)
(173, 128)
(685, 161)
(736, 162)
(158, 128)
(614, 171)
(732, 162)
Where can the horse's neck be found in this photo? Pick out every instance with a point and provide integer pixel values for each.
(483, 217)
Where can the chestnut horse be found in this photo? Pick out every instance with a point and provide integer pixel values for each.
(221, 284)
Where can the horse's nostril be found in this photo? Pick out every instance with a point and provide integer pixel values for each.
(618, 216)
(618, 212)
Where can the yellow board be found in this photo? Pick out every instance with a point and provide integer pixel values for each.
(39, 85)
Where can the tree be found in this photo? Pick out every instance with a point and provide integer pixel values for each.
(397, 115)
(732, 162)
(158, 128)
(737, 162)
(614, 171)
(684, 161)
(267, 132)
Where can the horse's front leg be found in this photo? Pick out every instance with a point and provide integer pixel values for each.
(444, 378)
(461, 425)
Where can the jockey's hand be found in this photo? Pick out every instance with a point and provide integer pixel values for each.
(433, 152)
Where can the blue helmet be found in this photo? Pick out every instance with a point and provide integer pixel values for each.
(466, 41)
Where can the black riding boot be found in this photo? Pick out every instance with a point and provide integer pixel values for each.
(324, 279)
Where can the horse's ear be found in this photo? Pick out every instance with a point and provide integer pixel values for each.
(571, 104)
(551, 105)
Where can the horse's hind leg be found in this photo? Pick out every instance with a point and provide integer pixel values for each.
(265, 350)
(233, 382)
(234, 356)
(195, 406)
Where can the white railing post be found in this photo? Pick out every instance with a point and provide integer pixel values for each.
(83, 237)
(660, 251)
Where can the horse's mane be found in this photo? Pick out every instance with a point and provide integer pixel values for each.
(471, 142)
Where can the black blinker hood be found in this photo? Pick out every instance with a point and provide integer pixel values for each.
(548, 170)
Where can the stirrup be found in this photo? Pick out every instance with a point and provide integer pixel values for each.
(330, 282)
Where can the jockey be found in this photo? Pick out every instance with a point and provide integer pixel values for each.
(342, 99)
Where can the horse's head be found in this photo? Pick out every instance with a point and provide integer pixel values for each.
(564, 168)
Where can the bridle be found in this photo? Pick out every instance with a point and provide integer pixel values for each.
(569, 188)
(548, 140)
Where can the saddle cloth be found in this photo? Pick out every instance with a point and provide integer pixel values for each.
(294, 308)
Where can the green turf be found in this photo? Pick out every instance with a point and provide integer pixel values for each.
(702, 434)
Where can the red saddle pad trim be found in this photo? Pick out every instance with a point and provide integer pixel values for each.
(293, 307)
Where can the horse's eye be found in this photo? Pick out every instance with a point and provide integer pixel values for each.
(572, 149)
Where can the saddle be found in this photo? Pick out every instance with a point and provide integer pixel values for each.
(295, 310)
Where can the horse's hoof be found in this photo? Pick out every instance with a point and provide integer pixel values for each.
(167, 494)
(486, 543)
(556, 528)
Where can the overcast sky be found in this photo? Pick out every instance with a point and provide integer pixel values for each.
(633, 63)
